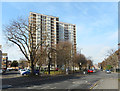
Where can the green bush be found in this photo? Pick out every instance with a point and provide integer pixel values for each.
(108, 67)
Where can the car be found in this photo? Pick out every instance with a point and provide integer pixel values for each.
(94, 71)
(20, 70)
(24, 72)
(107, 71)
(0, 71)
(27, 72)
(90, 71)
(3, 71)
(9, 69)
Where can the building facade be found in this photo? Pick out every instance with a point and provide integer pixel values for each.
(4, 61)
(44, 28)
(50, 29)
(66, 32)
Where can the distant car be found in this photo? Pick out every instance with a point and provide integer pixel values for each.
(90, 71)
(56, 69)
(94, 70)
(0, 71)
(107, 71)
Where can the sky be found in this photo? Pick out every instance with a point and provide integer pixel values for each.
(96, 24)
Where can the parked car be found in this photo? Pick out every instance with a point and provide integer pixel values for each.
(20, 70)
(90, 71)
(27, 72)
(9, 69)
(107, 71)
(24, 72)
(3, 71)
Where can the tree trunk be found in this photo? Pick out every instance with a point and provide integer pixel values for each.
(6, 64)
(73, 67)
(80, 67)
(32, 67)
(49, 66)
(65, 68)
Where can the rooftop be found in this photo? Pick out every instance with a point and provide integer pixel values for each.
(44, 14)
(65, 23)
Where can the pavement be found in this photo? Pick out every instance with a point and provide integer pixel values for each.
(109, 83)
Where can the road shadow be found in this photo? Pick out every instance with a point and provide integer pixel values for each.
(19, 82)
(11, 73)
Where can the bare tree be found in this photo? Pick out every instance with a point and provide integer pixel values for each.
(22, 34)
(81, 60)
(23, 63)
(51, 57)
(64, 54)
(41, 58)
(112, 58)
(89, 63)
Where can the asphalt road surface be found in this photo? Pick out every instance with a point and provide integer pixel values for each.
(58, 82)
(10, 74)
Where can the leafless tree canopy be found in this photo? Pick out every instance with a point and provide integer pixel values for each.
(21, 33)
(112, 59)
(64, 53)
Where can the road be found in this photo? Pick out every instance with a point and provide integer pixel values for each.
(77, 81)
(10, 74)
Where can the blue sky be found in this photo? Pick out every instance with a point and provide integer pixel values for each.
(97, 23)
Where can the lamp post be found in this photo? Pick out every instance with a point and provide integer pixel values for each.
(80, 65)
(80, 57)
(80, 50)
(72, 57)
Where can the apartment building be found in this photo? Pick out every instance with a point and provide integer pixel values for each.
(66, 32)
(50, 29)
(44, 28)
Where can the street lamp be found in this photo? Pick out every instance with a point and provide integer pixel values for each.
(80, 50)
(80, 57)
(80, 65)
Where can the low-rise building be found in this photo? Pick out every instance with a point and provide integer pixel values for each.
(4, 60)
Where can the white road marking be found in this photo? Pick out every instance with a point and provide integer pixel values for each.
(53, 88)
(86, 81)
(45, 87)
